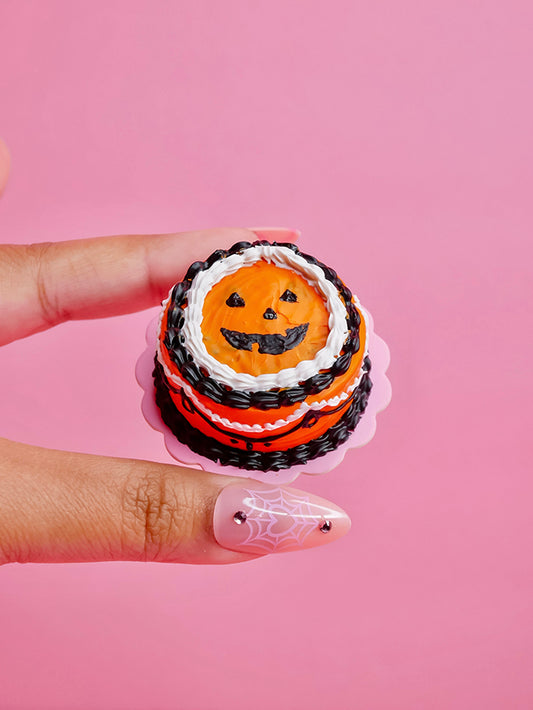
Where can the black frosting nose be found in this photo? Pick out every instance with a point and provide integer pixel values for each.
(269, 314)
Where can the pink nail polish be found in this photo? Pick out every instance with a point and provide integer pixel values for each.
(275, 233)
(258, 518)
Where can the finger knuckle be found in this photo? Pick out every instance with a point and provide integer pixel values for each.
(39, 257)
(159, 513)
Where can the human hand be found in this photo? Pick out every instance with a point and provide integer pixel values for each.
(66, 507)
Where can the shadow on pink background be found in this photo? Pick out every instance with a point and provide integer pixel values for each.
(397, 137)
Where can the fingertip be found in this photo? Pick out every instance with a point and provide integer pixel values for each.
(169, 255)
(277, 234)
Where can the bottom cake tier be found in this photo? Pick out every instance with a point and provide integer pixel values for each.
(274, 460)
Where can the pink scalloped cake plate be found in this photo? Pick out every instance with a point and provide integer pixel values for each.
(378, 400)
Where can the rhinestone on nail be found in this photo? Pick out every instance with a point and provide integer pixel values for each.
(326, 526)
(240, 517)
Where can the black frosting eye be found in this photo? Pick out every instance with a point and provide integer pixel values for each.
(235, 301)
(288, 296)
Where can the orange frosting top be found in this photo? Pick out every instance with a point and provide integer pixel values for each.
(264, 299)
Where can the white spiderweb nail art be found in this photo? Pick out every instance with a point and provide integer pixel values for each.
(277, 508)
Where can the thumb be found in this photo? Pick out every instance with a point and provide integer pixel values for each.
(58, 506)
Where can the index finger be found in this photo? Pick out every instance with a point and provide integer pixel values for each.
(42, 285)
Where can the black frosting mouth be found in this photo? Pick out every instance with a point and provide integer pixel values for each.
(269, 344)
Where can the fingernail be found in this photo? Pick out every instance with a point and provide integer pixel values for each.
(260, 518)
(276, 233)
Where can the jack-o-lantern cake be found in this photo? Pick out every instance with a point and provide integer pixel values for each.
(262, 358)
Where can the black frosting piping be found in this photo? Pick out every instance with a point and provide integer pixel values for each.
(235, 301)
(199, 379)
(288, 296)
(269, 343)
(260, 460)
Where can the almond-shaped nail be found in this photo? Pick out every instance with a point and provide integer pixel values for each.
(259, 518)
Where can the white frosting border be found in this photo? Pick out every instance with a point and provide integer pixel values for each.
(284, 258)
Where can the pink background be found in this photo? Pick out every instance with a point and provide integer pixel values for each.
(397, 136)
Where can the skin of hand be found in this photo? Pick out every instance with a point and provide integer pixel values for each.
(58, 506)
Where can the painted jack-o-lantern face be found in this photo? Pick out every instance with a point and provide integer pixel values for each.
(264, 318)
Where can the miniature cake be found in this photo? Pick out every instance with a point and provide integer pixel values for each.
(262, 358)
